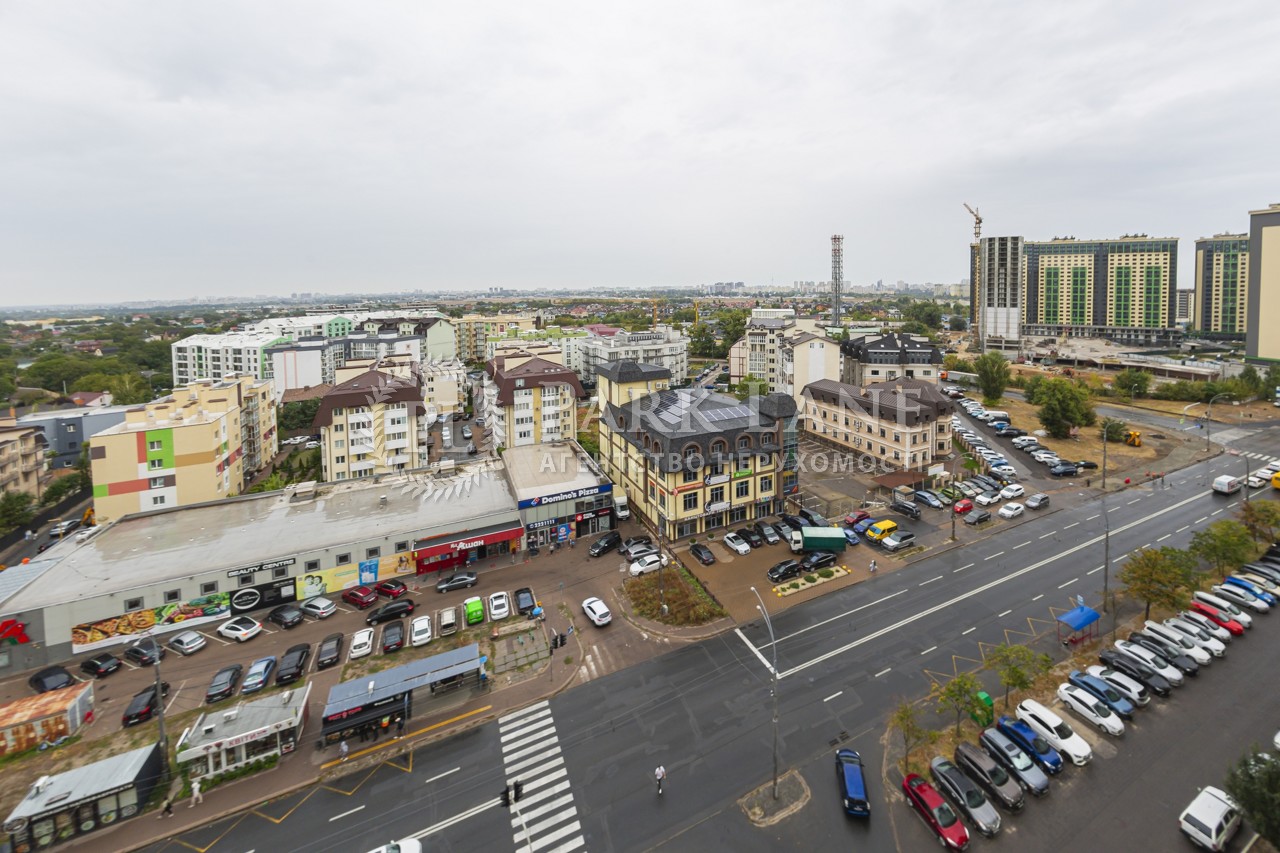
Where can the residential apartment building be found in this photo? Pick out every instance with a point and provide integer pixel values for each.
(527, 399)
(691, 460)
(200, 443)
(312, 361)
(996, 303)
(550, 338)
(435, 332)
(67, 431)
(662, 346)
(808, 357)
(474, 331)
(1220, 304)
(201, 357)
(444, 387)
(1186, 306)
(882, 358)
(759, 353)
(905, 424)
(22, 455)
(373, 422)
(1262, 326)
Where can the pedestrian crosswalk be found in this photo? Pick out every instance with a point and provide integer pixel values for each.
(545, 819)
(1251, 455)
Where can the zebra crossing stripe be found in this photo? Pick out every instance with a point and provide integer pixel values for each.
(531, 752)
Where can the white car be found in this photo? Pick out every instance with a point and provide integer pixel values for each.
(1123, 684)
(319, 607)
(311, 445)
(1020, 440)
(1157, 662)
(737, 544)
(1240, 597)
(1211, 819)
(1012, 491)
(1204, 623)
(650, 563)
(1256, 481)
(1091, 709)
(404, 845)
(361, 643)
(1011, 510)
(499, 606)
(597, 612)
(1047, 457)
(1216, 601)
(1006, 470)
(420, 631)
(1177, 638)
(1197, 635)
(240, 629)
(988, 498)
(1055, 730)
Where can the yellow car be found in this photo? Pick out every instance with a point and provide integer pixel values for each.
(881, 529)
(1275, 480)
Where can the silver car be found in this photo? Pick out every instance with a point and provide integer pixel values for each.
(966, 795)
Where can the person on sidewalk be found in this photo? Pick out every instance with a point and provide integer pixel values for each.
(168, 807)
(344, 751)
(659, 774)
(196, 796)
(399, 728)
(873, 567)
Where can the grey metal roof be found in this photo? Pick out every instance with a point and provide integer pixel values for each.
(412, 675)
(83, 782)
(628, 370)
(246, 717)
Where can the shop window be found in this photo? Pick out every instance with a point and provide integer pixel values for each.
(244, 580)
(402, 546)
(172, 595)
(281, 572)
(343, 559)
(313, 565)
(372, 553)
(208, 588)
(131, 604)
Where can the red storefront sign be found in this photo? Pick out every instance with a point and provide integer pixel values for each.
(466, 543)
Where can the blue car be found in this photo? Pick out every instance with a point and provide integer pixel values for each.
(1031, 743)
(850, 536)
(928, 498)
(1252, 587)
(852, 783)
(1108, 694)
(259, 672)
(861, 527)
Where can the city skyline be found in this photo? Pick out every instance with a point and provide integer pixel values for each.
(155, 153)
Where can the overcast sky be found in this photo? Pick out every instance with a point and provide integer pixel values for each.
(160, 150)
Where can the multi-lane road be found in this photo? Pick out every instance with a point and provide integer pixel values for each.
(586, 757)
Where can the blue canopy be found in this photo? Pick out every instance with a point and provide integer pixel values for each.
(1080, 618)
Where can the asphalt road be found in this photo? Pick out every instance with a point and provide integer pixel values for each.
(703, 712)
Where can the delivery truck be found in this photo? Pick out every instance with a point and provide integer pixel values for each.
(818, 539)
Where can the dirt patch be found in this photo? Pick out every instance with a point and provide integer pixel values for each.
(686, 602)
(762, 809)
(1121, 458)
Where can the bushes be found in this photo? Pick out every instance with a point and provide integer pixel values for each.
(214, 780)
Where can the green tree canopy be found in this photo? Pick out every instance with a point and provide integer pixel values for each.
(750, 386)
(16, 510)
(1018, 666)
(1162, 576)
(959, 323)
(298, 415)
(1063, 404)
(993, 375)
(905, 720)
(1224, 545)
(1254, 783)
(1113, 429)
(928, 314)
(960, 695)
(1132, 383)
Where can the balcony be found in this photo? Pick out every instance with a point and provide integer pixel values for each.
(398, 459)
(364, 447)
(396, 443)
(366, 465)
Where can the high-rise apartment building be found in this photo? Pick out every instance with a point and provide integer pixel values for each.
(998, 292)
(202, 357)
(474, 331)
(663, 346)
(1262, 327)
(22, 450)
(528, 400)
(1221, 300)
(373, 423)
(759, 353)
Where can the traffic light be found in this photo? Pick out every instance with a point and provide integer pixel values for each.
(517, 791)
(506, 796)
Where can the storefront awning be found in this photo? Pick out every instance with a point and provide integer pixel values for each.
(465, 540)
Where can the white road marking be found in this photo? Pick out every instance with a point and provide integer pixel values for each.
(834, 695)
(1130, 503)
(1164, 537)
(1215, 512)
(993, 556)
(1092, 517)
(883, 671)
(969, 631)
(1068, 583)
(1200, 519)
(441, 775)
(1182, 528)
(1074, 523)
(930, 649)
(880, 600)
(1047, 535)
(931, 580)
(1006, 613)
(1094, 571)
(1117, 509)
(346, 813)
(1040, 596)
(1028, 542)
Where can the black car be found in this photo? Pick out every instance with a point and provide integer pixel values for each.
(1140, 672)
(606, 543)
(145, 652)
(1063, 469)
(1085, 464)
(783, 571)
(906, 508)
(987, 482)
(525, 602)
(390, 610)
(143, 705)
(224, 683)
(795, 522)
(294, 663)
(51, 678)
(393, 637)
(457, 580)
(286, 616)
(330, 651)
(813, 518)
(755, 540)
(767, 532)
(1032, 447)
(817, 559)
(702, 553)
(1010, 432)
(633, 542)
(988, 773)
(1182, 662)
(100, 666)
(976, 516)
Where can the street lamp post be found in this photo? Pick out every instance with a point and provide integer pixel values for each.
(773, 645)
(1106, 533)
(1208, 422)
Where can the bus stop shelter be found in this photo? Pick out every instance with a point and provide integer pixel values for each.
(1078, 625)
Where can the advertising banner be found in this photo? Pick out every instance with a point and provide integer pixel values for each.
(331, 582)
(250, 598)
(170, 617)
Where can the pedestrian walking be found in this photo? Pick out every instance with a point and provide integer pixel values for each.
(344, 750)
(571, 541)
(168, 807)
(399, 728)
(659, 774)
(873, 567)
(196, 796)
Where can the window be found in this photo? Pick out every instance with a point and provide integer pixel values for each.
(402, 546)
(132, 604)
(280, 573)
(244, 580)
(766, 484)
(313, 565)
(157, 482)
(209, 588)
(172, 595)
(154, 446)
(689, 476)
(343, 559)
(155, 464)
(742, 489)
(717, 494)
(158, 500)
(691, 500)
(372, 553)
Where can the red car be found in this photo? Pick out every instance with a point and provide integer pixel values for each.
(391, 589)
(935, 812)
(854, 517)
(360, 596)
(1216, 616)
(963, 506)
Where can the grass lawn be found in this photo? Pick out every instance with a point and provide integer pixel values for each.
(1088, 445)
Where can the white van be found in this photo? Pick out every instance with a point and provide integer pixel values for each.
(1227, 485)
(796, 542)
(997, 416)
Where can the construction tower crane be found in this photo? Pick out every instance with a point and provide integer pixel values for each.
(977, 222)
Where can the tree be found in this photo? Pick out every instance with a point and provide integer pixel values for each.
(750, 386)
(1158, 576)
(959, 323)
(1224, 545)
(993, 375)
(1254, 783)
(960, 694)
(1113, 429)
(61, 487)
(16, 510)
(1132, 382)
(1018, 667)
(702, 341)
(1252, 380)
(905, 720)
(1261, 518)
(952, 361)
(1063, 405)
(927, 314)
(298, 415)
(1272, 381)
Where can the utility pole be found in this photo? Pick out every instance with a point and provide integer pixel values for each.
(1208, 422)
(1106, 533)
(773, 645)
(160, 703)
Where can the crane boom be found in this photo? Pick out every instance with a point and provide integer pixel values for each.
(977, 222)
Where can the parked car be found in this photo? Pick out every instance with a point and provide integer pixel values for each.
(1170, 649)
(466, 433)
(1213, 627)
(240, 629)
(224, 683)
(962, 506)
(755, 540)
(188, 643)
(1055, 730)
(606, 543)
(392, 589)
(968, 489)
(952, 492)
(258, 675)
(988, 773)
(851, 537)
(1104, 692)
(1155, 660)
(420, 631)
(784, 570)
(1211, 820)
(989, 498)
(795, 522)
(361, 643)
(329, 651)
(784, 530)
(1010, 432)
(852, 783)
(966, 795)
(653, 562)
(526, 601)
(393, 637)
(286, 616)
(1203, 602)
(879, 530)
(1086, 465)
(1008, 493)
(898, 540)
(927, 497)
(1136, 670)
(1243, 593)
(597, 612)
(815, 560)
(1015, 760)
(143, 705)
(1198, 635)
(499, 606)
(390, 610)
(767, 533)
(702, 553)
(635, 542)
(1063, 469)
(360, 597)
(1030, 742)
(457, 580)
(978, 516)
(1126, 685)
(1011, 510)
(1005, 470)
(1090, 708)
(100, 665)
(1037, 501)
(937, 815)
(906, 508)
(145, 652)
(737, 544)
(293, 663)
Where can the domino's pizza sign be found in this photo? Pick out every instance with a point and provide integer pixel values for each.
(571, 495)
